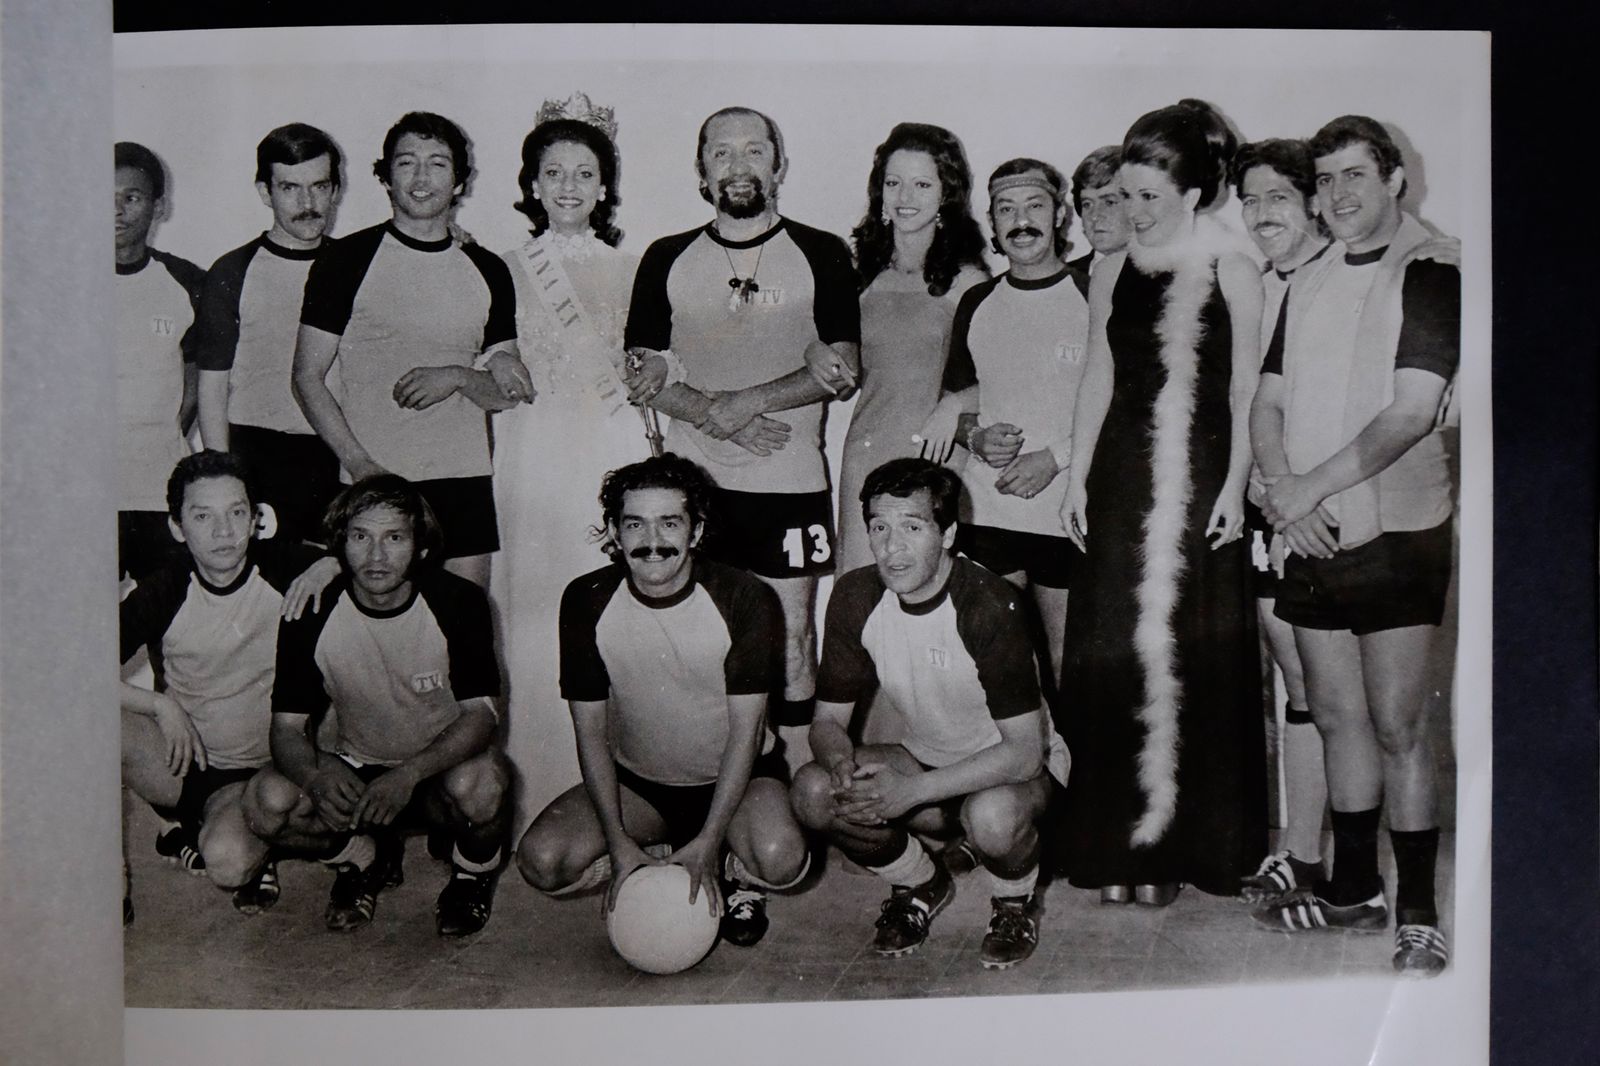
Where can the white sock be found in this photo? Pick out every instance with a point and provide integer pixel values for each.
(358, 851)
(913, 867)
(1005, 888)
(740, 874)
(1307, 787)
(461, 862)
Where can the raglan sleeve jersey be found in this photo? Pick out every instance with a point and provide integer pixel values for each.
(157, 304)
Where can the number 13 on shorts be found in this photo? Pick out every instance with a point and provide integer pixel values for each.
(794, 545)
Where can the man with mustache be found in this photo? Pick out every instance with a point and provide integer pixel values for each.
(249, 320)
(158, 297)
(1016, 357)
(416, 320)
(746, 303)
(402, 653)
(1276, 184)
(667, 659)
(1345, 427)
(1097, 195)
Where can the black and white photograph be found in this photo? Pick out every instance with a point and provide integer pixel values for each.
(793, 518)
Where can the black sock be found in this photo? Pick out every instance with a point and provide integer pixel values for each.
(1355, 859)
(478, 851)
(1414, 855)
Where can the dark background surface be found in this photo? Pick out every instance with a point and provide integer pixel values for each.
(1546, 849)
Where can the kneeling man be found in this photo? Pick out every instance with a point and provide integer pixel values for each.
(667, 660)
(403, 653)
(947, 641)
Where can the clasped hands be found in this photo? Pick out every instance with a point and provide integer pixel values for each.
(871, 793)
(1293, 504)
(1024, 474)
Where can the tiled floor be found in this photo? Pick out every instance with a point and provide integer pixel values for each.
(189, 948)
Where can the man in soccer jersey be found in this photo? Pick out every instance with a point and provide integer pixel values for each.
(1276, 184)
(157, 298)
(1346, 434)
(1016, 357)
(667, 659)
(744, 303)
(209, 620)
(248, 324)
(1097, 196)
(946, 640)
(408, 312)
(402, 652)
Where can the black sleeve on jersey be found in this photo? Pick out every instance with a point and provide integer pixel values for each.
(960, 372)
(193, 280)
(217, 324)
(1430, 327)
(989, 620)
(583, 672)
(847, 673)
(462, 611)
(754, 664)
(148, 610)
(836, 305)
(501, 325)
(649, 309)
(281, 561)
(335, 278)
(1272, 362)
(298, 686)
(1079, 276)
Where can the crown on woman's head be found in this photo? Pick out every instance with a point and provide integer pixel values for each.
(579, 108)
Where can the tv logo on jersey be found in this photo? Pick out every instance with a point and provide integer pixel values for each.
(938, 658)
(1071, 353)
(163, 325)
(431, 681)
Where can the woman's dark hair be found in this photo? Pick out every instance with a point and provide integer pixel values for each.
(902, 477)
(667, 471)
(198, 467)
(384, 490)
(432, 127)
(957, 242)
(571, 131)
(1189, 142)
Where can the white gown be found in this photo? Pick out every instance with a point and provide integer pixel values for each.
(549, 458)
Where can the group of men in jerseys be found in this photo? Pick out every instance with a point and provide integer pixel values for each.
(371, 706)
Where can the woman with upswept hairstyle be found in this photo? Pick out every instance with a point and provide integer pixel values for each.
(918, 249)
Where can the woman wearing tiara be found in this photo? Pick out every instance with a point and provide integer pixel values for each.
(549, 455)
(1161, 695)
(917, 250)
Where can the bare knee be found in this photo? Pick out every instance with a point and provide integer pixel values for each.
(998, 822)
(477, 788)
(545, 859)
(811, 796)
(1399, 734)
(231, 852)
(269, 801)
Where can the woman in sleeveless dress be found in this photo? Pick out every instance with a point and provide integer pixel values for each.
(1161, 702)
(918, 249)
(550, 455)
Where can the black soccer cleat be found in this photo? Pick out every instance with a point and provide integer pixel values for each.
(464, 905)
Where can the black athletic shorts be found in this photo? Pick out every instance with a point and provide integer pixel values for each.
(1048, 561)
(198, 787)
(774, 534)
(684, 807)
(464, 507)
(295, 477)
(1258, 536)
(415, 813)
(144, 542)
(1394, 581)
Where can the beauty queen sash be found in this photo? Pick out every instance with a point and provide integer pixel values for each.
(577, 334)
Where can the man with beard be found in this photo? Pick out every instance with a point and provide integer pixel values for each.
(157, 300)
(249, 320)
(1016, 357)
(746, 303)
(409, 312)
(1345, 427)
(1097, 195)
(1276, 184)
(667, 659)
(402, 653)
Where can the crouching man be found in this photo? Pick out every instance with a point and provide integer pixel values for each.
(946, 640)
(403, 653)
